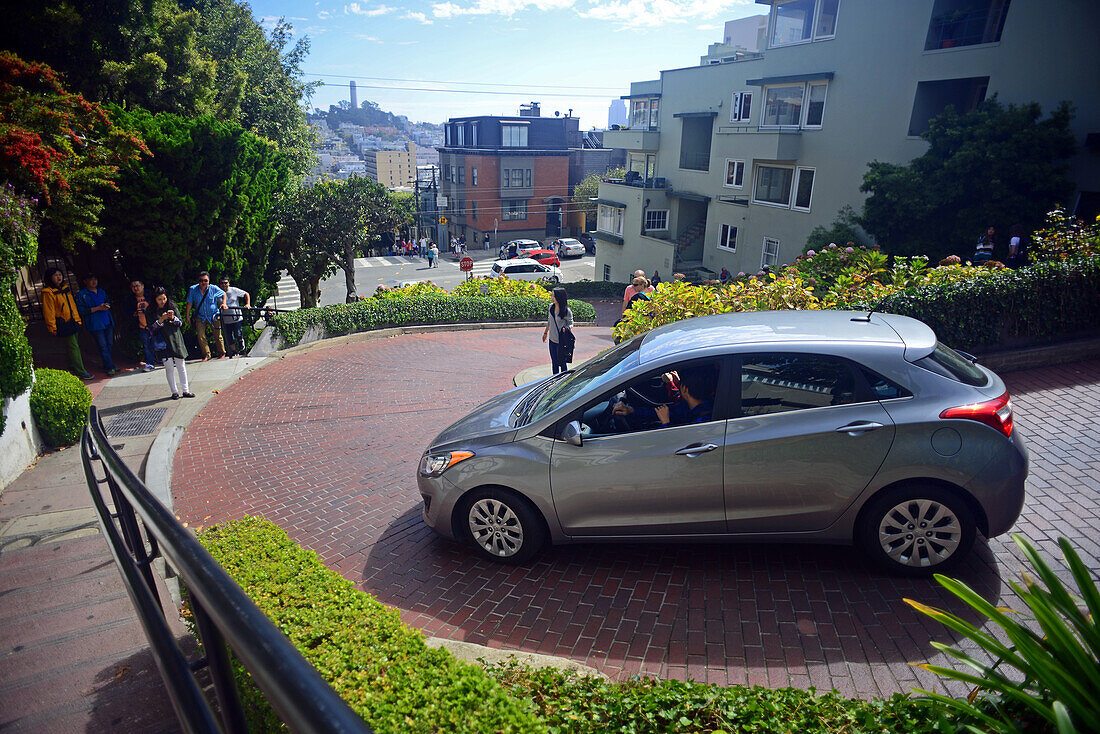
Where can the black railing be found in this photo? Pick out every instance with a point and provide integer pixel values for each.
(140, 530)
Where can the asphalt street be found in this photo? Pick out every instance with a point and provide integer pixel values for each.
(371, 272)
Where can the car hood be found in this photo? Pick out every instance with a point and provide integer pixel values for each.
(491, 418)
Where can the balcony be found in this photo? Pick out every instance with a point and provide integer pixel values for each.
(775, 145)
(639, 139)
(635, 180)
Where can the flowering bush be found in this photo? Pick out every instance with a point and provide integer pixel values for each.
(18, 230)
(501, 288)
(1065, 238)
(409, 291)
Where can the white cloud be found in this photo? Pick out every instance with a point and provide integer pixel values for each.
(357, 9)
(417, 16)
(364, 37)
(507, 8)
(407, 43)
(655, 13)
(314, 30)
(323, 15)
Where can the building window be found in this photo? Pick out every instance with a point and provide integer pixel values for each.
(960, 23)
(473, 210)
(791, 105)
(695, 143)
(654, 105)
(461, 174)
(735, 173)
(610, 219)
(461, 134)
(513, 136)
(607, 272)
(740, 107)
(804, 190)
(516, 178)
(656, 219)
(447, 135)
(473, 134)
(446, 171)
(800, 21)
(514, 210)
(727, 238)
(932, 99)
(773, 186)
(770, 254)
(473, 176)
(640, 116)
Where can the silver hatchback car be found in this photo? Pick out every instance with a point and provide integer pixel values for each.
(811, 426)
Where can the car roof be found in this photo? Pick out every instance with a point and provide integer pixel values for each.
(517, 261)
(523, 242)
(776, 328)
(568, 239)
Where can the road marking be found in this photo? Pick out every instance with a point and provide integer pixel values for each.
(387, 260)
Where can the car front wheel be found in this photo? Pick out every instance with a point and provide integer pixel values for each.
(503, 526)
(918, 530)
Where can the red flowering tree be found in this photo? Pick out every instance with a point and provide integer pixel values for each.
(59, 148)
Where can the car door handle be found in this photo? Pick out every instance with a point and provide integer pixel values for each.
(858, 427)
(696, 448)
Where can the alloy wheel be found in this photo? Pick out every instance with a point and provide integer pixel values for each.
(920, 533)
(495, 527)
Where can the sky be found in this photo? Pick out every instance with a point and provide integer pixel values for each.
(496, 54)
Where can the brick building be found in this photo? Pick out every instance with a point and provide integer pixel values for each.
(509, 177)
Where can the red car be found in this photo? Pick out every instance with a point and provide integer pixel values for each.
(546, 257)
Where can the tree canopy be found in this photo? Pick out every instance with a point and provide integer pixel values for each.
(586, 191)
(997, 165)
(203, 201)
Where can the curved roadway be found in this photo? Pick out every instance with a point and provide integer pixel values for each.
(325, 443)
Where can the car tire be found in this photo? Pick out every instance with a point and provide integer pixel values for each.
(893, 524)
(502, 526)
(554, 279)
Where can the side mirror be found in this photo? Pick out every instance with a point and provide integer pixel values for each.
(571, 434)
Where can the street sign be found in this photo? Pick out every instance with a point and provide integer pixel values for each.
(443, 220)
(466, 264)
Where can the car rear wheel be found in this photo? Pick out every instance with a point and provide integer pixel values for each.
(503, 526)
(918, 530)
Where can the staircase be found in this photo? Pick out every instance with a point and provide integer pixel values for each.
(690, 235)
(693, 270)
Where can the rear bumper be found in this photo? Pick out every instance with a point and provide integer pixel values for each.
(999, 486)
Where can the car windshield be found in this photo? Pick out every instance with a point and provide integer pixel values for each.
(590, 376)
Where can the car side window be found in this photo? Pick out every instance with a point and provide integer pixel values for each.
(681, 395)
(882, 388)
(780, 382)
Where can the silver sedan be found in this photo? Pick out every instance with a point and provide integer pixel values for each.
(804, 426)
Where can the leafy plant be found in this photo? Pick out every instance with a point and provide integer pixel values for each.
(59, 405)
(411, 291)
(502, 288)
(1065, 238)
(381, 667)
(1041, 679)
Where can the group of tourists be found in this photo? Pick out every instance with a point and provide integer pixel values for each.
(157, 320)
(1017, 247)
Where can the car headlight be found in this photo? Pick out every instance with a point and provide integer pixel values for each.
(432, 465)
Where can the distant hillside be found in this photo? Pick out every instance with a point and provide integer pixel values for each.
(369, 113)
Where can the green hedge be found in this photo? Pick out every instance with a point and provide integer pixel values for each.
(379, 666)
(1031, 304)
(592, 289)
(15, 351)
(568, 702)
(419, 310)
(59, 405)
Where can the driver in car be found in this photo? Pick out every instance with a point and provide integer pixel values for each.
(696, 405)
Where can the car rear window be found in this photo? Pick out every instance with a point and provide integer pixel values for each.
(947, 362)
(496, 267)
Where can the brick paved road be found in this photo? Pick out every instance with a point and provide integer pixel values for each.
(326, 444)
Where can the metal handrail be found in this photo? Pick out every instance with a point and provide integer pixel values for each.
(224, 614)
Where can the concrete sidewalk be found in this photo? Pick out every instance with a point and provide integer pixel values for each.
(75, 657)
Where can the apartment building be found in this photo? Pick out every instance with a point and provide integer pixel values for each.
(732, 164)
(392, 168)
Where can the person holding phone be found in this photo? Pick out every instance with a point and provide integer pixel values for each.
(95, 311)
(164, 319)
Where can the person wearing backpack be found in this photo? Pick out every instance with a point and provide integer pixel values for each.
(1017, 247)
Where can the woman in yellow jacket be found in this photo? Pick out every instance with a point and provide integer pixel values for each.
(62, 318)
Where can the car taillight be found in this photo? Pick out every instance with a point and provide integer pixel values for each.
(996, 413)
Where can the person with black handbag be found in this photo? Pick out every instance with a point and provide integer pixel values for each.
(63, 319)
(559, 330)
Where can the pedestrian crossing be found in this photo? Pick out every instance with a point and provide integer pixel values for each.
(388, 261)
(286, 297)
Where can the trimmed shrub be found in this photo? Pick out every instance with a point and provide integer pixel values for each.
(15, 351)
(1035, 303)
(593, 289)
(59, 404)
(383, 313)
(379, 666)
(567, 702)
(503, 288)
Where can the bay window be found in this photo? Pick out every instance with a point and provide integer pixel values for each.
(797, 105)
(610, 219)
(773, 186)
(802, 21)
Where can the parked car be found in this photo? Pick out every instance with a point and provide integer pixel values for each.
(568, 247)
(517, 248)
(523, 268)
(546, 257)
(588, 239)
(804, 426)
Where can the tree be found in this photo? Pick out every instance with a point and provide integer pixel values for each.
(998, 165)
(844, 229)
(586, 191)
(59, 148)
(326, 227)
(404, 204)
(204, 201)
